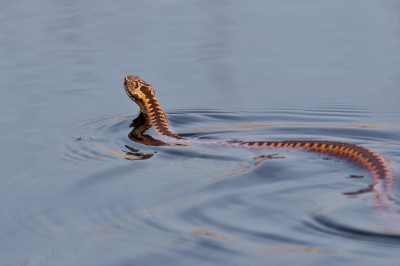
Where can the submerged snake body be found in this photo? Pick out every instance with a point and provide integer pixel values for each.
(143, 94)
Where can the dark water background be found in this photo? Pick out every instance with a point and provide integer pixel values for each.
(254, 70)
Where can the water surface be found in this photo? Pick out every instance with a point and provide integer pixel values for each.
(75, 190)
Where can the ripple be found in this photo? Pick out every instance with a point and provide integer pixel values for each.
(365, 229)
(99, 139)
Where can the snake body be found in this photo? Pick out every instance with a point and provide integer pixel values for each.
(143, 94)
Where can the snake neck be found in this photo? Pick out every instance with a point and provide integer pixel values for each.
(155, 115)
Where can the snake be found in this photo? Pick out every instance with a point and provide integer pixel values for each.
(153, 117)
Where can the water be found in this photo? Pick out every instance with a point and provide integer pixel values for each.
(75, 190)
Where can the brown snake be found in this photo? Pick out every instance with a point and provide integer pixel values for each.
(143, 94)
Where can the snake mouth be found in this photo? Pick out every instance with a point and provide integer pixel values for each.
(128, 82)
(131, 85)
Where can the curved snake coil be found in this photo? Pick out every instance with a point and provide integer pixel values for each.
(143, 94)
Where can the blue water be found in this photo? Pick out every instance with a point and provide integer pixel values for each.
(73, 193)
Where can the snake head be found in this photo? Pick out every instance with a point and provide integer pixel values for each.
(138, 90)
(132, 83)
